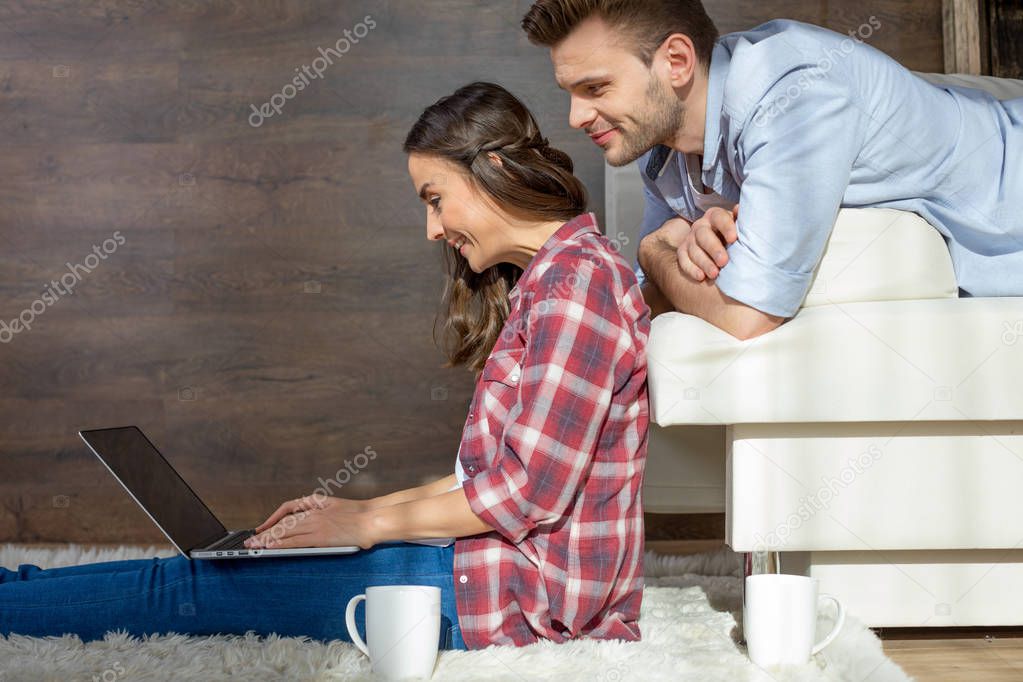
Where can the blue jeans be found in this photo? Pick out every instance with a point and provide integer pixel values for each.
(290, 596)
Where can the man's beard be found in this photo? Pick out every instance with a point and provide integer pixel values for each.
(658, 121)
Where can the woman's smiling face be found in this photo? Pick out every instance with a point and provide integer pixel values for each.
(457, 212)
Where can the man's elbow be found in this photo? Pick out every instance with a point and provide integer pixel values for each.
(751, 323)
(745, 322)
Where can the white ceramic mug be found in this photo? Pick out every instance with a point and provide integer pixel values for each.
(402, 629)
(780, 619)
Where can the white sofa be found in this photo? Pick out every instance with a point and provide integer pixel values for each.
(875, 441)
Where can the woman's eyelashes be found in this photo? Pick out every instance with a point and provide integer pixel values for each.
(435, 203)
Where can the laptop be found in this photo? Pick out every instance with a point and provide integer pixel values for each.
(172, 504)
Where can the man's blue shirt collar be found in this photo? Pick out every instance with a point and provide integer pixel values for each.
(716, 77)
(657, 160)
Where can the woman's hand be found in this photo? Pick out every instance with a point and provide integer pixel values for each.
(313, 521)
(702, 254)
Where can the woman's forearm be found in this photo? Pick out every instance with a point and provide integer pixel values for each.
(432, 489)
(438, 516)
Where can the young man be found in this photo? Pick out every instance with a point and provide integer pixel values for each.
(791, 122)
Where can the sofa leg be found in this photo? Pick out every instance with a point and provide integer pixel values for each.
(755, 563)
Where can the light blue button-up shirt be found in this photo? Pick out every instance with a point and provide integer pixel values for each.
(802, 121)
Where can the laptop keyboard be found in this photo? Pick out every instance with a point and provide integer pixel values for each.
(236, 543)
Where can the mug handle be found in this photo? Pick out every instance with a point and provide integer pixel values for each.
(353, 631)
(835, 630)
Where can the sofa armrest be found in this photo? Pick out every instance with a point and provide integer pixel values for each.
(885, 361)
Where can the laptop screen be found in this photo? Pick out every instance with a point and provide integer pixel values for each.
(156, 486)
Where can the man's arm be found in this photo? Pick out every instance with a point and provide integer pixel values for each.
(667, 285)
(796, 167)
(655, 299)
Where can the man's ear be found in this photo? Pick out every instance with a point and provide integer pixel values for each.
(679, 53)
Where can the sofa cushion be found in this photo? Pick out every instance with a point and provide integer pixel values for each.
(879, 254)
(884, 361)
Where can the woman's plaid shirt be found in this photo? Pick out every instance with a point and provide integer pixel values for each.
(554, 448)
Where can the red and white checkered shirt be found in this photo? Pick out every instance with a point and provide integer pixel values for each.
(554, 448)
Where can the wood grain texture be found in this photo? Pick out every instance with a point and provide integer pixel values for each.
(962, 30)
(911, 32)
(1006, 31)
(945, 655)
(271, 307)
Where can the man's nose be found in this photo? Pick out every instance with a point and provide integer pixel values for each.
(581, 113)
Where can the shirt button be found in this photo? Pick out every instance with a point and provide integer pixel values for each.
(515, 377)
(463, 579)
(471, 468)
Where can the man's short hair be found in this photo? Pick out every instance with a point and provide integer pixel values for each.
(645, 23)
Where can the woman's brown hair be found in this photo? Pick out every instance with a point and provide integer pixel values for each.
(534, 181)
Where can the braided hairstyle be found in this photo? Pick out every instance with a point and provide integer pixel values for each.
(533, 181)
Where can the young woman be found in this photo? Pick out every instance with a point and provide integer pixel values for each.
(545, 499)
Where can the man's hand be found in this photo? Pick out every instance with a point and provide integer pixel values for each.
(668, 237)
(669, 286)
(674, 232)
(702, 254)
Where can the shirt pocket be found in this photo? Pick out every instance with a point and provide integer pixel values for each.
(504, 367)
(500, 381)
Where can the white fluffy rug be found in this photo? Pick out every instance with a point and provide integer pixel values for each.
(689, 612)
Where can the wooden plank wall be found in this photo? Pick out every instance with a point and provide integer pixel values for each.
(1006, 31)
(264, 304)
